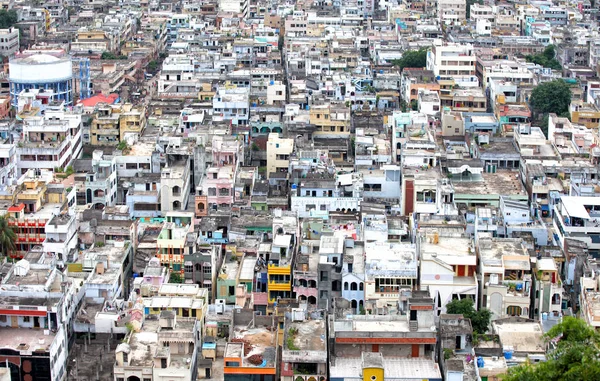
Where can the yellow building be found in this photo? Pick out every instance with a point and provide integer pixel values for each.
(132, 120)
(278, 153)
(105, 125)
(206, 94)
(586, 114)
(331, 120)
(372, 366)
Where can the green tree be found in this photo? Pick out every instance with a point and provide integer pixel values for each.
(554, 96)
(574, 355)
(175, 278)
(8, 237)
(546, 58)
(480, 320)
(152, 66)
(8, 18)
(412, 58)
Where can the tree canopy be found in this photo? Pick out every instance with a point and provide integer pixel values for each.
(554, 96)
(574, 355)
(8, 237)
(480, 320)
(175, 278)
(412, 58)
(8, 18)
(546, 58)
(112, 56)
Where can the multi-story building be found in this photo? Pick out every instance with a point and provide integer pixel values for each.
(162, 349)
(38, 202)
(50, 141)
(132, 120)
(105, 125)
(576, 218)
(9, 41)
(175, 240)
(453, 61)
(32, 330)
(252, 349)
(232, 105)
(452, 12)
(448, 264)
(389, 269)
(175, 184)
(504, 276)
(305, 348)
(279, 151)
(100, 182)
(548, 289)
(330, 120)
(403, 339)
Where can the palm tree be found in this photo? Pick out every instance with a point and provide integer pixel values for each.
(8, 237)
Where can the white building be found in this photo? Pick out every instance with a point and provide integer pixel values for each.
(61, 236)
(234, 6)
(49, 141)
(578, 218)
(454, 61)
(429, 102)
(9, 41)
(232, 104)
(389, 269)
(448, 265)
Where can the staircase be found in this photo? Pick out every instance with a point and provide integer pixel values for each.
(413, 326)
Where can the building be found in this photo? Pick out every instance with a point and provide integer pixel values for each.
(50, 141)
(452, 12)
(504, 276)
(576, 218)
(251, 352)
(39, 201)
(448, 263)
(175, 240)
(304, 347)
(453, 61)
(105, 125)
(162, 349)
(9, 41)
(279, 151)
(404, 339)
(41, 71)
(389, 269)
(33, 337)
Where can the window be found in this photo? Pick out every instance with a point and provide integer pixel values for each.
(324, 276)
(323, 207)
(189, 269)
(310, 207)
(26, 319)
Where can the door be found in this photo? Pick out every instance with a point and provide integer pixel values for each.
(14, 322)
(413, 315)
(415, 350)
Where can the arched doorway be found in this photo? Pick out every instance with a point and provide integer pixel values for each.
(312, 300)
(176, 205)
(201, 207)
